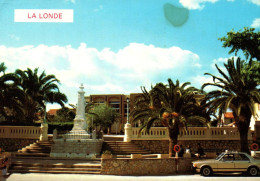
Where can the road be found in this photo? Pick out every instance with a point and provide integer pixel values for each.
(81, 177)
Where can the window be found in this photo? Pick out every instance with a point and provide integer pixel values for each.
(115, 105)
(241, 157)
(228, 157)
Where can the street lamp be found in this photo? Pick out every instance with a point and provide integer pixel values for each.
(45, 114)
(127, 103)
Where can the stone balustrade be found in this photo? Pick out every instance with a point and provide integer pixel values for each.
(192, 133)
(22, 132)
(155, 133)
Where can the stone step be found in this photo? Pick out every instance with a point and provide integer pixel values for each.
(55, 165)
(36, 151)
(58, 166)
(54, 172)
(41, 168)
(44, 142)
(37, 148)
(41, 145)
(128, 153)
(45, 160)
(113, 138)
(31, 154)
(127, 147)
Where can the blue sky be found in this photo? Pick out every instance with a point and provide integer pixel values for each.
(116, 46)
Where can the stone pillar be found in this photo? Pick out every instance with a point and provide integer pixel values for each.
(94, 135)
(44, 132)
(128, 132)
(55, 134)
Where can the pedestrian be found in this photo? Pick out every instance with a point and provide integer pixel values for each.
(200, 151)
(181, 152)
(3, 165)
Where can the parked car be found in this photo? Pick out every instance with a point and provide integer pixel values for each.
(228, 162)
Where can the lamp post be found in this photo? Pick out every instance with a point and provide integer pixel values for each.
(128, 128)
(45, 114)
(127, 103)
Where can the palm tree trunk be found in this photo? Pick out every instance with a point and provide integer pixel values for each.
(244, 141)
(173, 137)
(243, 127)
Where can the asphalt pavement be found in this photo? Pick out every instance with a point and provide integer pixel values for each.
(81, 177)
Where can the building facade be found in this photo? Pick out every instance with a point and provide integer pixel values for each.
(119, 103)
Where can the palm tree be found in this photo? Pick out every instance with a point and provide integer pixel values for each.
(10, 96)
(39, 90)
(237, 91)
(171, 104)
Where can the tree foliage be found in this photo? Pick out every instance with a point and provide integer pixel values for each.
(38, 89)
(11, 97)
(247, 40)
(102, 115)
(238, 91)
(23, 94)
(64, 114)
(172, 104)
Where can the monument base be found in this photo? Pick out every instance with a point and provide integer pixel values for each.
(73, 148)
(77, 135)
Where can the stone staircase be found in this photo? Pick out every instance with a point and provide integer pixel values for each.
(37, 149)
(124, 148)
(25, 165)
(35, 158)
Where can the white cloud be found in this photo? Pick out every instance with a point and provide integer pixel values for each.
(195, 4)
(103, 71)
(220, 62)
(256, 23)
(257, 2)
(199, 80)
(142, 58)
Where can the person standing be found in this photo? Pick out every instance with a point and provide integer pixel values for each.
(200, 151)
(181, 152)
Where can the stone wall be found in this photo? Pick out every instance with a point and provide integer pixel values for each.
(162, 146)
(14, 144)
(156, 146)
(84, 148)
(149, 166)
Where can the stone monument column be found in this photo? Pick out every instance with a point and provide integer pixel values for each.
(80, 119)
(80, 125)
(77, 142)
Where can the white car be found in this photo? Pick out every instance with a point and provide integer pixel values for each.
(228, 162)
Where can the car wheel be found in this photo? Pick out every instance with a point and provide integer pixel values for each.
(253, 171)
(206, 171)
